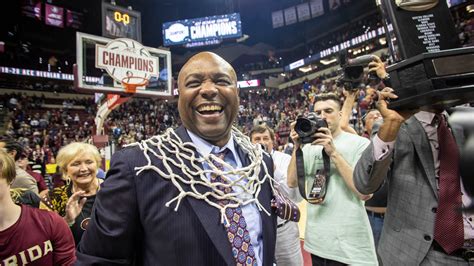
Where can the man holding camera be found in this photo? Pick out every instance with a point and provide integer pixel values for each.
(419, 157)
(337, 229)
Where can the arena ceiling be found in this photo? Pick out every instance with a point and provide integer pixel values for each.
(255, 16)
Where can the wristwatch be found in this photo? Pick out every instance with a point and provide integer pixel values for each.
(386, 80)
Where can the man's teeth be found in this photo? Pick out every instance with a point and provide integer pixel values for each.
(210, 108)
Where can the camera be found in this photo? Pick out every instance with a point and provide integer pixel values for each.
(353, 70)
(307, 126)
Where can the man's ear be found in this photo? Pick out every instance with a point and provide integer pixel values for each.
(12, 153)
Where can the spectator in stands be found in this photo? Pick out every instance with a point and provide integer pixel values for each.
(369, 119)
(79, 163)
(23, 163)
(29, 235)
(22, 180)
(337, 231)
(288, 247)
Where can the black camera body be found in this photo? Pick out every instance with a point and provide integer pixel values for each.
(307, 126)
(353, 70)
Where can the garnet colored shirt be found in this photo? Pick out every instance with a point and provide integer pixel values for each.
(39, 180)
(39, 237)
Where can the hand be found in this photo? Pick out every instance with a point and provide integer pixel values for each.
(378, 67)
(74, 206)
(324, 138)
(294, 136)
(388, 114)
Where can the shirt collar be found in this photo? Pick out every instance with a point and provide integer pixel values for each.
(205, 148)
(425, 117)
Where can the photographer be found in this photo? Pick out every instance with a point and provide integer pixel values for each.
(419, 157)
(337, 230)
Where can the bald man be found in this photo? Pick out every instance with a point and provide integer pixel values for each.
(171, 212)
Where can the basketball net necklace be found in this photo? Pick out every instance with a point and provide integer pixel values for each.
(247, 177)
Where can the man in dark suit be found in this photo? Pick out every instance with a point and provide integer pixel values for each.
(158, 205)
(419, 157)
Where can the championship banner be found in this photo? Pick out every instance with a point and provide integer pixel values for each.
(334, 4)
(317, 8)
(54, 15)
(277, 19)
(303, 12)
(204, 31)
(290, 16)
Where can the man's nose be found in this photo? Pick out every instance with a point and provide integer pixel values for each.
(208, 90)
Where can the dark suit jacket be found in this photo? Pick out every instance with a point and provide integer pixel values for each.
(412, 193)
(131, 224)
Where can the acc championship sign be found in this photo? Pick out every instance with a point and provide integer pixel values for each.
(202, 31)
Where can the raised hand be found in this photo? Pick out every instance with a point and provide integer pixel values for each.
(74, 206)
(378, 67)
(294, 136)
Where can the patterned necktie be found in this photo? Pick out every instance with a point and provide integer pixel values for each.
(237, 232)
(449, 228)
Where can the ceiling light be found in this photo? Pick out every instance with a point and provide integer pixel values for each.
(305, 69)
(243, 38)
(328, 61)
(470, 8)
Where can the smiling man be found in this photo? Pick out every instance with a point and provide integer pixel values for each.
(191, 195)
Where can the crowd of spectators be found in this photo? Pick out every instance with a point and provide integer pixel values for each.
(49, 129)
(43, 131)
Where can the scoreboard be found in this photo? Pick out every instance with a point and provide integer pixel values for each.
(120, 22)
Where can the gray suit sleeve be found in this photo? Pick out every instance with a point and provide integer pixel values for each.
(369, 173)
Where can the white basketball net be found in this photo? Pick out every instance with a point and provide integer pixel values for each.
(169, 142)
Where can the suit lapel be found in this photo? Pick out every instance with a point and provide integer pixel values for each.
(423, 148)
(208, 215)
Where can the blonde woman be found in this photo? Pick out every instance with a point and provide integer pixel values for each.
(79, 163)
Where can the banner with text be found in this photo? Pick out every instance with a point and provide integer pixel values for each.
(277, 19)
(317, 8)
(203, 31)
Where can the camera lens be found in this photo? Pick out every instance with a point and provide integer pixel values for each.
(305, 126)
(354, 72)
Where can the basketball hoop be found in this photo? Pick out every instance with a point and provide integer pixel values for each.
(131, 87)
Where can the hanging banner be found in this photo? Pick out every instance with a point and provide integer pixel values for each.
(317, 8)
(277, 19)
(290, 16)
(303, 12)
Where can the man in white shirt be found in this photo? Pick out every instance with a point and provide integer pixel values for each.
(288, 248)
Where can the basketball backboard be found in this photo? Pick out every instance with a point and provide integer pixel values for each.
(103, 65)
